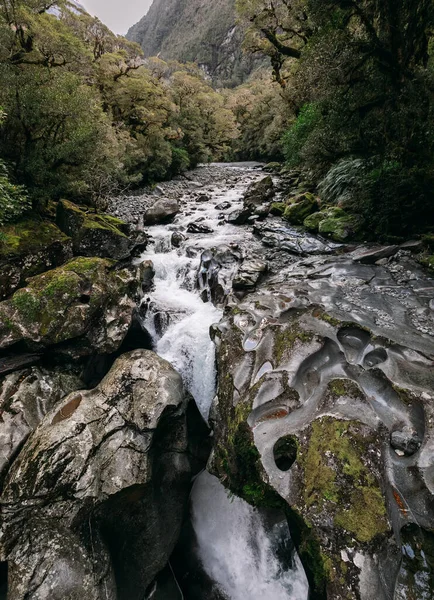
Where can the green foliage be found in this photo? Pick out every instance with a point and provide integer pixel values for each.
(14, 201)
(85, 116)
(361, 78)
(297, 136)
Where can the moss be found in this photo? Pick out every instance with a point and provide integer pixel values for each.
(427, 261)
(336, 473)
(366, 516)
(42, 306)
(285, 339)
(237, 461)
(344, 387)
(27, 305)
(28, 237)
(300, 208)
(428, 240)
(312, 221)
(339, 225)
(319, 314)
(315, 562)
(71, 218)
(278, 208)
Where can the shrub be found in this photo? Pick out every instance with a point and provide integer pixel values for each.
(14, 201)
(295, 139)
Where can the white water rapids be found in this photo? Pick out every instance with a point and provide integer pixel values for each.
(235, 549)
(179, 322)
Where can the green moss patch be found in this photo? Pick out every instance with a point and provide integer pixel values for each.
(28, 237)
(338, 479)
(285, 339)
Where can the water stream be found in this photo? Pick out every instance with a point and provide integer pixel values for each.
(236, 549)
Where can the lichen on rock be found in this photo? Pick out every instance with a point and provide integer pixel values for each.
(85, 298)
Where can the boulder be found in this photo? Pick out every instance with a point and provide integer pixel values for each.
(312, 221)
(371, 255)
(177, 239)
(223, 206)
(339, 225)
(199, 228)
(87, 302)
(239, 216)
(93, 506)
(249, 275)
(258, 196)
(94, 234)
(162, 211)
(259, 192)
(29, 248)
(25, 398)
(332, 421)
(300, 207)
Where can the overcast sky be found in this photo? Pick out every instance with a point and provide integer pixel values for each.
(119, 15)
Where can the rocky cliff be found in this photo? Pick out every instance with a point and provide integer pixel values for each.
(196, 31)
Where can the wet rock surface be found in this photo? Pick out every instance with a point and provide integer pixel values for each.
(86, 302)
(334, 359)
(324, 406)
(102, 481)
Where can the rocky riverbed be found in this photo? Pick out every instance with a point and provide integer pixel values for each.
(310, 360)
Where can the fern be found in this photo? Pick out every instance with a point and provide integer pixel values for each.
(343, 182)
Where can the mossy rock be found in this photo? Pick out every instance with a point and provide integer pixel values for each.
(300, 207)
(278, 208)
(340, 226)
(29, 248)
(94, 234)
(341, 481)
(273, 167)
(312, 221)
(78, 299)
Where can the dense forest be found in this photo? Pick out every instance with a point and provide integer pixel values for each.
(343, 91)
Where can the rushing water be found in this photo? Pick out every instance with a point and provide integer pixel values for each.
(236, 549)
(179, 321)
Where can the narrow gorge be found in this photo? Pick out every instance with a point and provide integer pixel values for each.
(262, 430)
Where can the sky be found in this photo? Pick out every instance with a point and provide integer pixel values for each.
(119, 15)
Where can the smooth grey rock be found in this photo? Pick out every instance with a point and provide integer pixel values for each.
(249, 275)
(25, 398)
(99, 490)
(199, 228)
(372, 255)
(239, 216)
(162, 211)
(407, 440)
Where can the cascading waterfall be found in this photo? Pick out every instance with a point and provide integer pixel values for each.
(236, 549)
(179, 322)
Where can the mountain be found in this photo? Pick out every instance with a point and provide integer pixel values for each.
(200, 31)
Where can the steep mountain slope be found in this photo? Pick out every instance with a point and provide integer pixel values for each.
(196, 31)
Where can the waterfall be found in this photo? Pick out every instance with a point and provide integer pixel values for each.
(246, 557)
(238, 552)
(179, 321)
